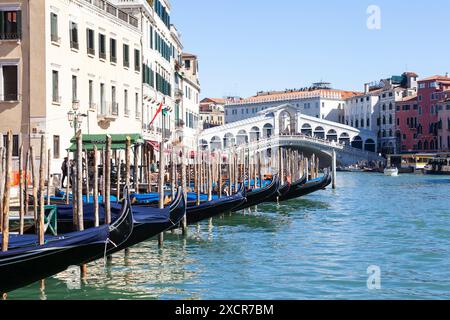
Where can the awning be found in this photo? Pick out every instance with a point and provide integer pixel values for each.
(119, 141)
(154, 145)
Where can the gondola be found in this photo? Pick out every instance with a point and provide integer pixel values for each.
(299, 190)
(284, 189)
(259, 196)
(148, 221)
(27, 262)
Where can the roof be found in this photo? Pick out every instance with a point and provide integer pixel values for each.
(411, 74)
(215, 100)
(436, 78)
(280, 96)
(410, 98)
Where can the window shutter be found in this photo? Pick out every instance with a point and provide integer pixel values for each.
(1, 24)
(19, 24)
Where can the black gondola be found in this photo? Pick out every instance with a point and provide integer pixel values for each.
(299, 190)
(148, 221)
(259, 196)
(27, 262)
(284, 189)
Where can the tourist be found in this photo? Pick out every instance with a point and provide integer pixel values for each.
(64, 169)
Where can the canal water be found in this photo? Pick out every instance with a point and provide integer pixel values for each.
(319, 247)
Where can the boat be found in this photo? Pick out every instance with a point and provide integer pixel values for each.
(391, 172)
(298, 190)
(196, 213)
(27, 262)
(148, 221)
(284, 189)
(438, 166)
(258, 196)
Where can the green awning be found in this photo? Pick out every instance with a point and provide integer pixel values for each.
(119, 141)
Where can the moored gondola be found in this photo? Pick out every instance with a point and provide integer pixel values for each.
(258, 196)
(299, 190)
(27, 262)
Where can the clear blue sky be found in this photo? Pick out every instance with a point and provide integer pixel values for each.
(249, 45)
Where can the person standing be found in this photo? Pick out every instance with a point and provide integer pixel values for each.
(64, 169)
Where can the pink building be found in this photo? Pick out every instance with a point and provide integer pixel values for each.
(444, 122)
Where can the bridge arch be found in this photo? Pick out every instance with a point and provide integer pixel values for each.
(203, 144)
(241, 137)
(267, 130)
(307, 130)
(229, 140)
(357, 143)
(344, 138)
(287, 120)
(370, 145)
(332, 135)
(255, 134)
(319, 132)
(216, 143)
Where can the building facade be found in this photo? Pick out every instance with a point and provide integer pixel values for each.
(444, 122)
(418, 117)
(319, 101)
(375, 109)
(113, 62)
(212, 112)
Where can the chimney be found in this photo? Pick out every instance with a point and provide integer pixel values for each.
(366, 88)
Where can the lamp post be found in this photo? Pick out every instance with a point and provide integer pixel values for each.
(76, 120)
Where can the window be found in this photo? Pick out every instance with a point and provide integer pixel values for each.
(114, 105)
(9, 78)
(126, 55)
(91, 94)
(136, 106)
(125, 102)
(74, 36)
(54, 27)
(113, 50)
(421, 85)
(90, 41)
(56, 147)
(137, 60)
(102, 99)
(55, 87)
(15, 143)
(10, 25)
(74, 89)
(102, 46)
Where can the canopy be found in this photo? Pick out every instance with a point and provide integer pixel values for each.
(118, 141)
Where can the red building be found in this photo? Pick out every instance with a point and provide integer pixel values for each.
(417, 117)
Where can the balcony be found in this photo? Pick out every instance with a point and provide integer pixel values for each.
(108, 112)
(75, 104)
(74, 45)
(91, 51)
(102, 55)
(55, 39)
(92, 106)
(56, 100)
(10, 36)
(179, 124)
(10, 97)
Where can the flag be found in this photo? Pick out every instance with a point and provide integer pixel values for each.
(157, 113)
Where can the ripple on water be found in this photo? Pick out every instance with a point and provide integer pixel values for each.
(317, 247)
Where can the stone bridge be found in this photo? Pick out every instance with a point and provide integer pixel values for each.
(285, 126)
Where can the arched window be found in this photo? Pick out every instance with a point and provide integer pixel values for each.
(332, 135)
(357, 142)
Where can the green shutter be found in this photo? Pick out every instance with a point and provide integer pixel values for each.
(1, 24)
(19, 24)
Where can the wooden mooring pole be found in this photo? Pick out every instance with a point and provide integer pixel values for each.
(95, 188)
(334, 163)
(41, 217)
(7, 193)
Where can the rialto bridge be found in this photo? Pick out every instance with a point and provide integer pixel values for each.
(285, 126)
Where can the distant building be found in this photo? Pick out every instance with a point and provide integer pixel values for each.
(319, 101)
(418, 117)
(212, 112)
(444, 122)
(374, 110)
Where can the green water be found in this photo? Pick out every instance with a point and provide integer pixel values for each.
(319, 247)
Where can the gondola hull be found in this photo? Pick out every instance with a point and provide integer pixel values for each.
(300, 190)
(259, 196)
(27, 262)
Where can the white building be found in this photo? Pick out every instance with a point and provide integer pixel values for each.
(318, 101)
(374, 110)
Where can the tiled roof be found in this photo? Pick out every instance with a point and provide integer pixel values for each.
(281, 96)
(437, 78)
(410, 98)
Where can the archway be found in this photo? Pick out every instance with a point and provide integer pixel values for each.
(255, 134)
(229, 141)
(425, 145)
(307, 130)
(216, 143)
(370, 145)
(344, 138)
(319, 132)
(242, 137)
(357, 142)
(203, 144)
(287, 122)
(332, 135)
(267, 130)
